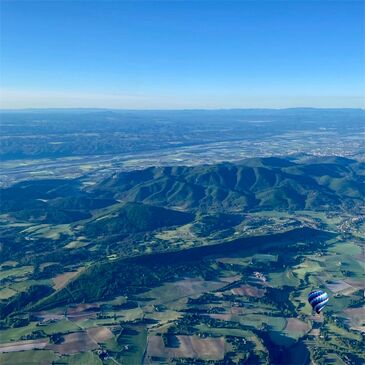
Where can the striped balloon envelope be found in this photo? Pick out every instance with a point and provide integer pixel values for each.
(318, 300)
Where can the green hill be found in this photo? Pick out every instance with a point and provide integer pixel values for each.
(206, 224)
(135, 217)
(49, 201)
(251, 185)
(50, 215)
(132, 275)
(80, 203)
(312, 183)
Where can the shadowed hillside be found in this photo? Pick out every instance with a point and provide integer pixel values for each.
(252, 185)
(248, 186)
(49, 201)
(134, 217)
(137, 274)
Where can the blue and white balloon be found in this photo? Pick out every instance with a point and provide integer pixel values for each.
(318, 300)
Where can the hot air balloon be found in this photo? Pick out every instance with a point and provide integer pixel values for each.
(318, 300)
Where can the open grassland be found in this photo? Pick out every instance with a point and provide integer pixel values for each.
(286, 277)
(133, 341)
(6, 293)
(257, 321)
(63, 326)
(100, 334)
(346, 248)
(24, 283)
(61, 280)
(189, 287)
(35, 357)
(76, 244)
(8, 264)
(15, 334)
(48, 231)
(87, 358)
(16, 272)
(218, 332)
(17, 346)
(307, 266)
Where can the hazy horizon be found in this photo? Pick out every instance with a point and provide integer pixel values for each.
(35, 109)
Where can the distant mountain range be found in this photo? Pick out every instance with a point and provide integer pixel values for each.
(81, 110)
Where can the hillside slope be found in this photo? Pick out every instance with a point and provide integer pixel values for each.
(135, 217)
(252, 185)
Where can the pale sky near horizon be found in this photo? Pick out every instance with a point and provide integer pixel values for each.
(182, 54)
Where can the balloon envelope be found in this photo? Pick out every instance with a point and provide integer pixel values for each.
(318, 300)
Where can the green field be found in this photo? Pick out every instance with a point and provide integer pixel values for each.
(35, 357)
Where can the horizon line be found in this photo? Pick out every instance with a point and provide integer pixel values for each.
(176, 109)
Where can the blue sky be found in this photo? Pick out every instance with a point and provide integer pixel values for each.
(182, 54)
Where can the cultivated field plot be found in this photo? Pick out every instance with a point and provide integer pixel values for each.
(99, 334)
(356, 318)
(61, 280)
(296, 328)
(248, 290)
(188, 347)
(189, 287)
(74, 343)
